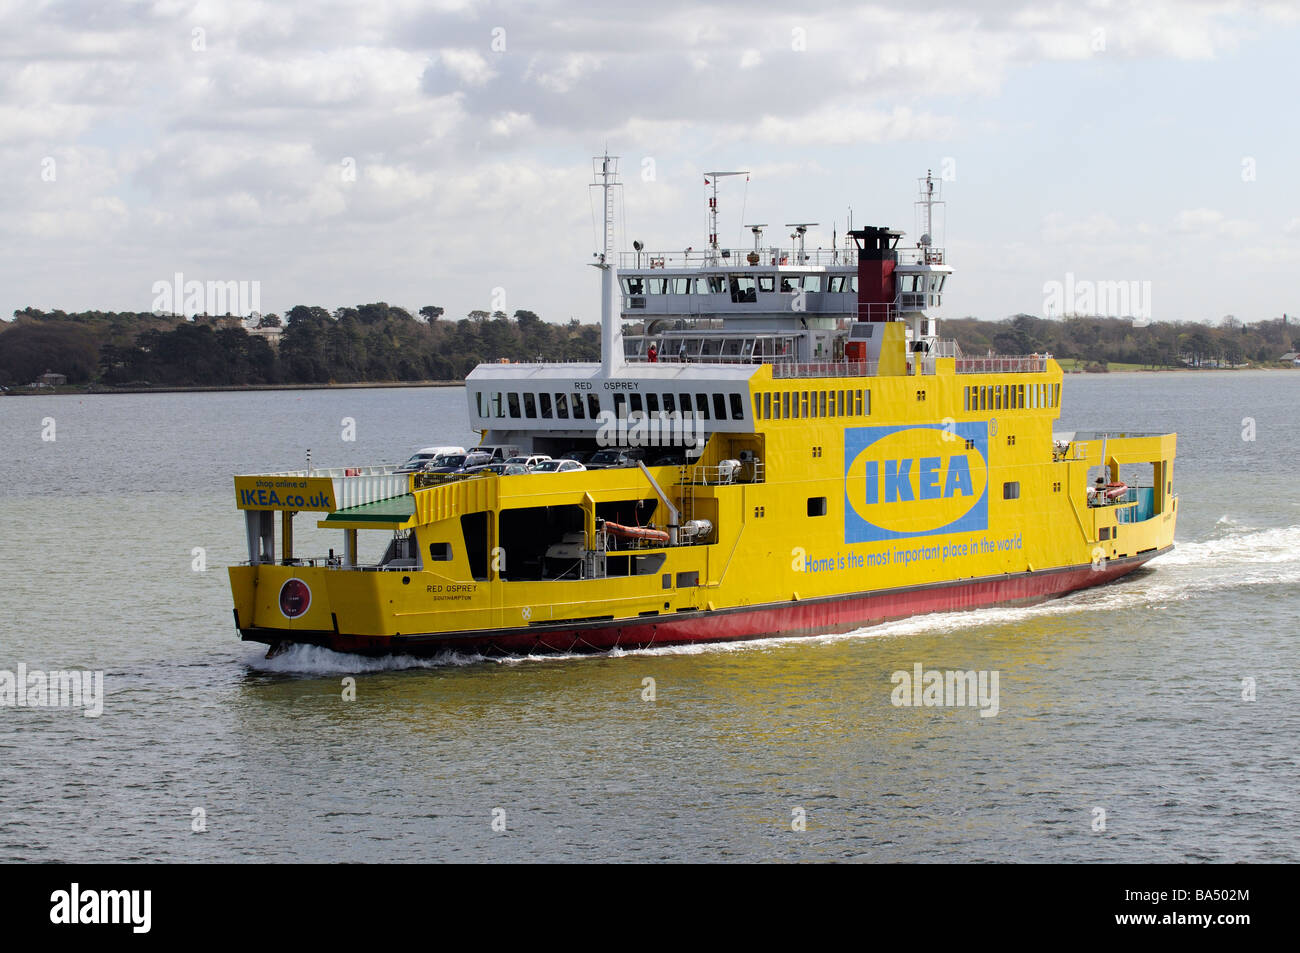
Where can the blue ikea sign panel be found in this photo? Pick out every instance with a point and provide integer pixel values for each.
(921, 480)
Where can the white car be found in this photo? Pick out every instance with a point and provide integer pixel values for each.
(420, 459)
(558, 466)
(529, 462)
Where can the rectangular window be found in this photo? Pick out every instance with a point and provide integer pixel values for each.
(1011, 491)
(593, 406)
(767, 283)
(670, 403)
(1020, 396)
(785, 405)
(719, 407)
(1104, 533)
(637, 404)
(440, 552)
(688, 580)
(816, 506)
(512, 400)
(803, 402)
(620, 406)
(821, 403)
(702, 405)
(686, 403)
(737, 408)
(544, 404)
(997, 397)
(767, 406)
(577, 406)
(530, 406)
(652, 403)
(562, 406)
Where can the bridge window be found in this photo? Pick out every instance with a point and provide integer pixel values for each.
(737, 408)
(816, 506)
(1011, 491)
(670, 403)
(812, 283)
(544, 401)
(678, 286)
(784, 412)
(655, 286)
(620, 405)
(593, 406)
(634, 285)
(562, 406)
(742, 289)
(512, 400)
(530, 406)
(652, 403)
(719, 407)
(717, 284)
(767, 283)
(686, 403)
(702, 405)
(577, 406)
(637, 404)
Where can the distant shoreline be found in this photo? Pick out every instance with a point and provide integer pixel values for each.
(81, 390)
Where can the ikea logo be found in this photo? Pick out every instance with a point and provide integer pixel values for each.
(915, 481)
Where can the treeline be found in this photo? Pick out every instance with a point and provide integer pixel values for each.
(380, 342)
(371, 342)
(1105, 341)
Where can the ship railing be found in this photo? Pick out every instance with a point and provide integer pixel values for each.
(333, 561)
(945, 348)
(767, 257)
(787, 371)
(376, 470)
(1081, 436)
(723, 474)
(1019, 364)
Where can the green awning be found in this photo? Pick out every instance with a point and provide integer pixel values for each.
(399, 509)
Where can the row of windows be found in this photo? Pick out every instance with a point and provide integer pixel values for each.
(1013, 396)
(795, 405)
(740, 286)
(566, 406)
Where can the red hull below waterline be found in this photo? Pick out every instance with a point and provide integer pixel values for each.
(773, 620)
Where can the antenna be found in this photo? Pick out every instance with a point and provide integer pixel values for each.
(800, 231)
(758, 233)
(711, 179)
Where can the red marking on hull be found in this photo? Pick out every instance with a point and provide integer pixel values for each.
(814, 617)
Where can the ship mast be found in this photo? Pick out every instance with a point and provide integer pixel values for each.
(930, 196)
(611, 330)
(711, 179)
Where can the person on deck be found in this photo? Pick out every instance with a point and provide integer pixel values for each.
(652, 355)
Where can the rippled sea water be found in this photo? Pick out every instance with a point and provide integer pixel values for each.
(1126, 699)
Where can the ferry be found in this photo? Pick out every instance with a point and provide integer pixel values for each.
(801, 454)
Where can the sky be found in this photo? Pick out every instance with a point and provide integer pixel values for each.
(439, 153)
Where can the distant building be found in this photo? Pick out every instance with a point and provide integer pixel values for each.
(270, 335)
(50, 379)
(1291, 357)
